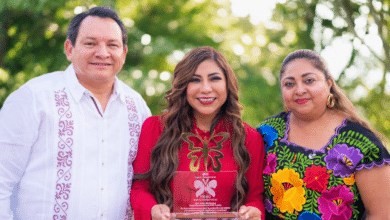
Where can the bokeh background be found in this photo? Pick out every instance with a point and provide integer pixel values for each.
(255, 36)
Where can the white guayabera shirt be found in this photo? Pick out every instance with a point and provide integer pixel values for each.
(70, 159)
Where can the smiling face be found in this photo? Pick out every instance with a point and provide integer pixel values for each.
(98, 54)
(206, 91)
(305, 89)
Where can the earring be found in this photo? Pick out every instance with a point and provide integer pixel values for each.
(330, 101)
(286, 109)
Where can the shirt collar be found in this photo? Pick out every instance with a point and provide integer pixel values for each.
(77, 90)
(119, 90)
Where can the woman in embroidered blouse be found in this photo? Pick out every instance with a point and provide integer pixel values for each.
(323, 160)
(201, 130)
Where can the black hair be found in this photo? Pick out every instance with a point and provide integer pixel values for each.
(101, 12)
(310, 55)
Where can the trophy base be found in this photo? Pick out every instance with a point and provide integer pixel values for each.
(227, 215)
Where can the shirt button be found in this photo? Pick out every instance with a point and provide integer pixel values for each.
(101, 215)
(102, 189)
(102, 164)
(103, 141)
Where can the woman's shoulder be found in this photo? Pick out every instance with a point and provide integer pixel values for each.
(253, 141)
(356, 131)
(277, 122)
(154, 119)
(282, 117)
(363, 142)
(152, 123)
(249, 129)
(273, 127)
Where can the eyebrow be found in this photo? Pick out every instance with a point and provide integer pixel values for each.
(89, 38)
(303, 75)
(94, 38)
(210, 74)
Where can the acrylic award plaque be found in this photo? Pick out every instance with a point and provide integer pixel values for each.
(204, 195)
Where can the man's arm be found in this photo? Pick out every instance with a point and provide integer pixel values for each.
(18, 132)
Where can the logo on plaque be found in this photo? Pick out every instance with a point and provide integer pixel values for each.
(205, 186)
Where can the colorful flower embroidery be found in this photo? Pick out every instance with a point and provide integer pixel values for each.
(316, 178)
(287, 190)
(269, 135)
(268, 205)
(302, 184)
(349, 180)
(343, 159)
(308, 216)
(336, 203)
(271, 164)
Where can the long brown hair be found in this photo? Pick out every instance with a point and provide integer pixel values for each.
(342, 103)
(178, 119)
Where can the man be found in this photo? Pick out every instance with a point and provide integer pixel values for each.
(69, 138)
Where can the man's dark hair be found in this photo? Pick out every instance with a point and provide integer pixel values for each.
(102, 12)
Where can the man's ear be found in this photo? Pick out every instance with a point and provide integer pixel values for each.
(125, 50)
(68, 49)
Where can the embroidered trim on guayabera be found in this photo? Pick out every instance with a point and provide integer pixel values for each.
(134, 129)
(64, 156)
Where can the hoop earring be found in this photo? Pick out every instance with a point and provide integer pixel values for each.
(330, 101)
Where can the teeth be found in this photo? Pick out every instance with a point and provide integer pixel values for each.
(207, 100)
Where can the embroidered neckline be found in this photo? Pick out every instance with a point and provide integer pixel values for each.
(323, 148)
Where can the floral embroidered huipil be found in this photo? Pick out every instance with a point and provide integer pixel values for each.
(302, 183)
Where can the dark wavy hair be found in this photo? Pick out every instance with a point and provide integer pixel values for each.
(342, 103)
(178, 119)
(101, 12)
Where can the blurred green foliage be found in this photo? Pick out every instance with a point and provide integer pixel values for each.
(32, 33)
